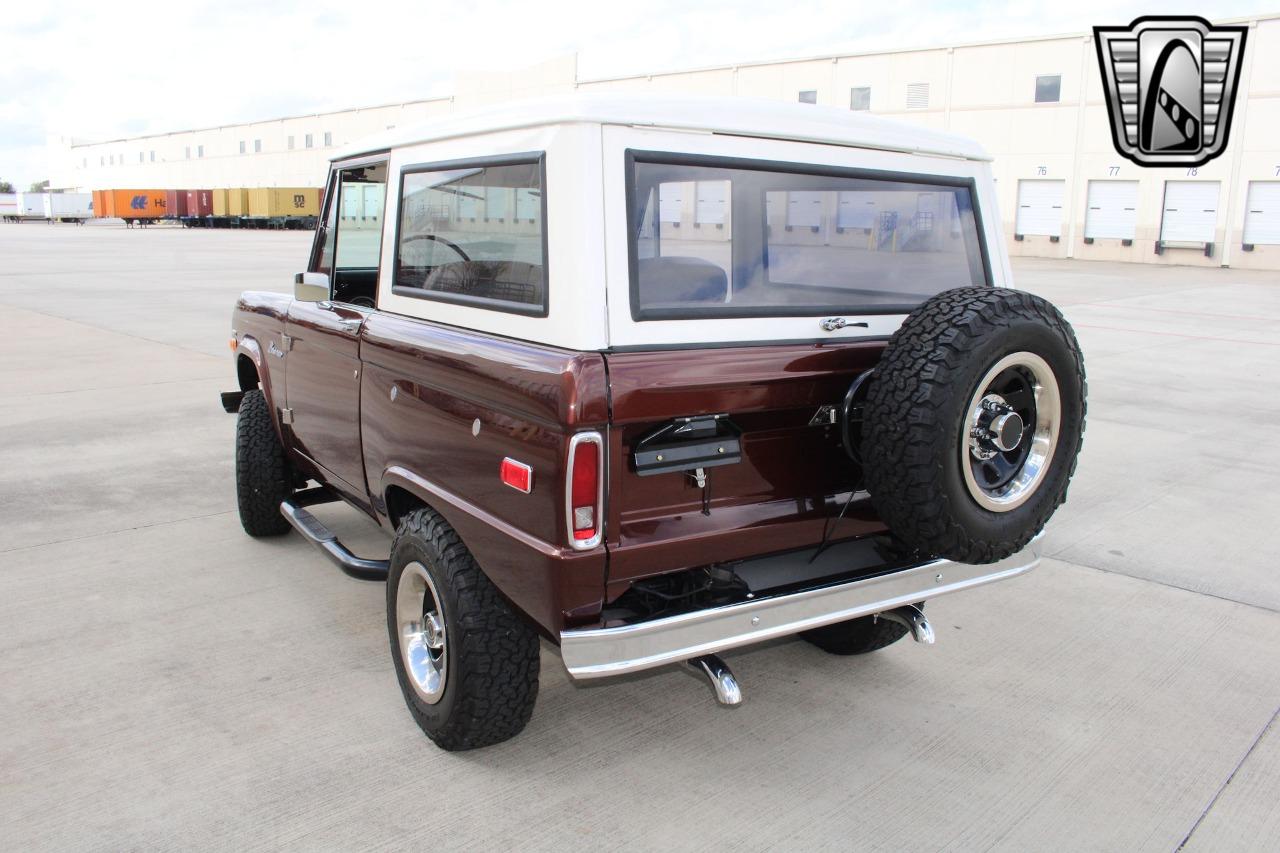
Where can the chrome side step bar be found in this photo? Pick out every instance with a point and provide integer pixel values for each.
(314, 531)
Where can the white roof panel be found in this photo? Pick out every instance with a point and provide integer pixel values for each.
(735, 116)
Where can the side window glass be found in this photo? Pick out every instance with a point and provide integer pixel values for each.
(349, 246)
(362, 199)
(474, 236)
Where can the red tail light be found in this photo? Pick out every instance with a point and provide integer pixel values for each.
(584, 489)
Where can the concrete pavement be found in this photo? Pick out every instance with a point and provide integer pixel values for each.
(170, 683)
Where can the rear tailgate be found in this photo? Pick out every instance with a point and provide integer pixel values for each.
(777, 497)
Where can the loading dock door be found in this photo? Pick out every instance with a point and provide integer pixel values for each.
(1112, 210)
(1190, 212)
(1262, 213)
(709, 204)
(1039, 208)
(670, 202)
(804, 209)
(856, 210)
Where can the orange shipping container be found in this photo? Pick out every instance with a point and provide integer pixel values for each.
(97, 204)
(134, 204)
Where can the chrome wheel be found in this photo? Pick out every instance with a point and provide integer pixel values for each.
(422, 636)
(1010, 431)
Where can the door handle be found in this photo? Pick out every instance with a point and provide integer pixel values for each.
(353, 323)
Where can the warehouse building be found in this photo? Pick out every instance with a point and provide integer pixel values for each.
(1036, 104)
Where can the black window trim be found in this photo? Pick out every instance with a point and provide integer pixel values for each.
(673, 158)
(538, 158)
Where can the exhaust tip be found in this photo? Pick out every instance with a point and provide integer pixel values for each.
(723, 682)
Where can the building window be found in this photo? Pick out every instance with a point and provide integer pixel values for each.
(1049, 89)
(84, 163)
(200, 151)
(188, 152)
(142, 157)
(111, 159)
(153, 156)
(102, 161)
(808, 96)
(328, 139)
(917, 96)
(242, 146)
(257, 146)
(860, 98)
(290, 143)
(307, 141)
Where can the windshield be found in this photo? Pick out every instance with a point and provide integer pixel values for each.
(710, 239)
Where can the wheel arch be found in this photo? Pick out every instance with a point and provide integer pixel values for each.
(252, 373)
(527, 571)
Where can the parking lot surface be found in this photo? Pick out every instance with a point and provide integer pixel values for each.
(169, 682)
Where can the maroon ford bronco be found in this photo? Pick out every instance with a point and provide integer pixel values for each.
(653, 379)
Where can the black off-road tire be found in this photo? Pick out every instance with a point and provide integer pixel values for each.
(916, 413)
(493, 655)
(856, 637)
(263, 478)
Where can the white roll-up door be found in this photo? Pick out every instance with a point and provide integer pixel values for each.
(1190, 212)
(1262, 213)
(1112, 210)
(671, 202)
(1039, 208)
(710, 197)
(856, 210)
(804, 209)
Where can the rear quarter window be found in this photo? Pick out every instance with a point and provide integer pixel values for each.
(711, 237)
(473, 233)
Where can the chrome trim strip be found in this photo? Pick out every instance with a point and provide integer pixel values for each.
(600, 652)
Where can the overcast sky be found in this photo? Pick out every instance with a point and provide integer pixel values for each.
(98, 70)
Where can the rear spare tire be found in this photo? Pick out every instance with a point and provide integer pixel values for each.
(973, 423)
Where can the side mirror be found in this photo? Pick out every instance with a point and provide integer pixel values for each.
(311, 286)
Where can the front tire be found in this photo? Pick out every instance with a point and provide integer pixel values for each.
(262, 471)
(467, 665)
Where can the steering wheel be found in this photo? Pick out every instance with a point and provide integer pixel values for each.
(452, 245)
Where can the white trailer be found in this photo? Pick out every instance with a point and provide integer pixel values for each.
(8, 206)
(30, 206)
(68, 207)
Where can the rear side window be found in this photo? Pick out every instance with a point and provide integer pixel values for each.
(472, 233)
(720, 238)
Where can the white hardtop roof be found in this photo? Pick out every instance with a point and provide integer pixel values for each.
(734, 116)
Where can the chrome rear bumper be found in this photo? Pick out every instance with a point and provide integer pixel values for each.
(600, 652)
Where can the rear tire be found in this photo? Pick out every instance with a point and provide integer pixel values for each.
(263, 478)
(855, 637)
(467, 664)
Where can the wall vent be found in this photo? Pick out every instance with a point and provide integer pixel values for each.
(917, 96)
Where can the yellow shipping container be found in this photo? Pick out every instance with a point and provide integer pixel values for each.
(237, 202)
(284, 201)
(219, 202)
